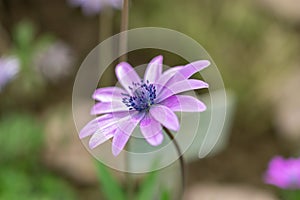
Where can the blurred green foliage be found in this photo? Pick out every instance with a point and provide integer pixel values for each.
(110, 186)
(165, 195)
(16, 184)
(21, 137)
(147, 190)
(26, 45)
(21, 174)
(290, 194)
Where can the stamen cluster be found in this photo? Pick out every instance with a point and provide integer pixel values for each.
(143, 96)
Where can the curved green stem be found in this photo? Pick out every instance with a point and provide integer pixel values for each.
(181, 160)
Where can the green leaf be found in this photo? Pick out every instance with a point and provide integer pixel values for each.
(147, 189)
(165, 195)
(110, 187)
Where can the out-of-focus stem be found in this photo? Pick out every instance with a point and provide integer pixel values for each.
(105, 23)
(123, 50)
(105, 31)
(124, 28)
(181, 160)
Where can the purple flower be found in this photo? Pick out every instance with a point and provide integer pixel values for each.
(55, 62)
(92, 7)
(9, 67)
(149, 102)
(283, 173)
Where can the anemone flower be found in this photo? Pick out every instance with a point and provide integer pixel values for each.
(92, 7)
(149, 102)
(9, 68)
(283, 173)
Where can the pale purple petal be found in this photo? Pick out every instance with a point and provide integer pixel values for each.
(165, 116)
(171, 72)
(101, 136)
(108, 107)
(102, 122)
(151, 130)
(167, 75)
(154, 69)
(123, 132)
(126, 75)
(94, 125)
(109, 94)
(131, 121)
(119, 141)
(188, 70)
(181, 86)
(184, 103)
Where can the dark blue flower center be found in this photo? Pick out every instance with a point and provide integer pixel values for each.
(143, 96)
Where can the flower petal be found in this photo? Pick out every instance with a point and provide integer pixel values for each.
(184, 103)
(165, 116)
(126, 75)
(108, 107)
(188, 70)
(167, 75)
(181, 86)
(151, 130)
(170, 72)
(102, 136)
(91, 127)
(154, 69)
(123, 132)
(119, 141)
(103, 122)
(109, 94)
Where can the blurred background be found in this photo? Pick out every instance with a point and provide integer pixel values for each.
(255, 45)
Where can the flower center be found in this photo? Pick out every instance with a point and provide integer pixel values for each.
(143, 95)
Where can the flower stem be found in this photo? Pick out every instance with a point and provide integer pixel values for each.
(105, 31)
(124, 28)
(123, 50)
(181, 160)
(105, 24)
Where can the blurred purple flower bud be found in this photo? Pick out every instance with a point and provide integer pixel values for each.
(55, 62)
(283, 173)
(92, 7)
(9, 68)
